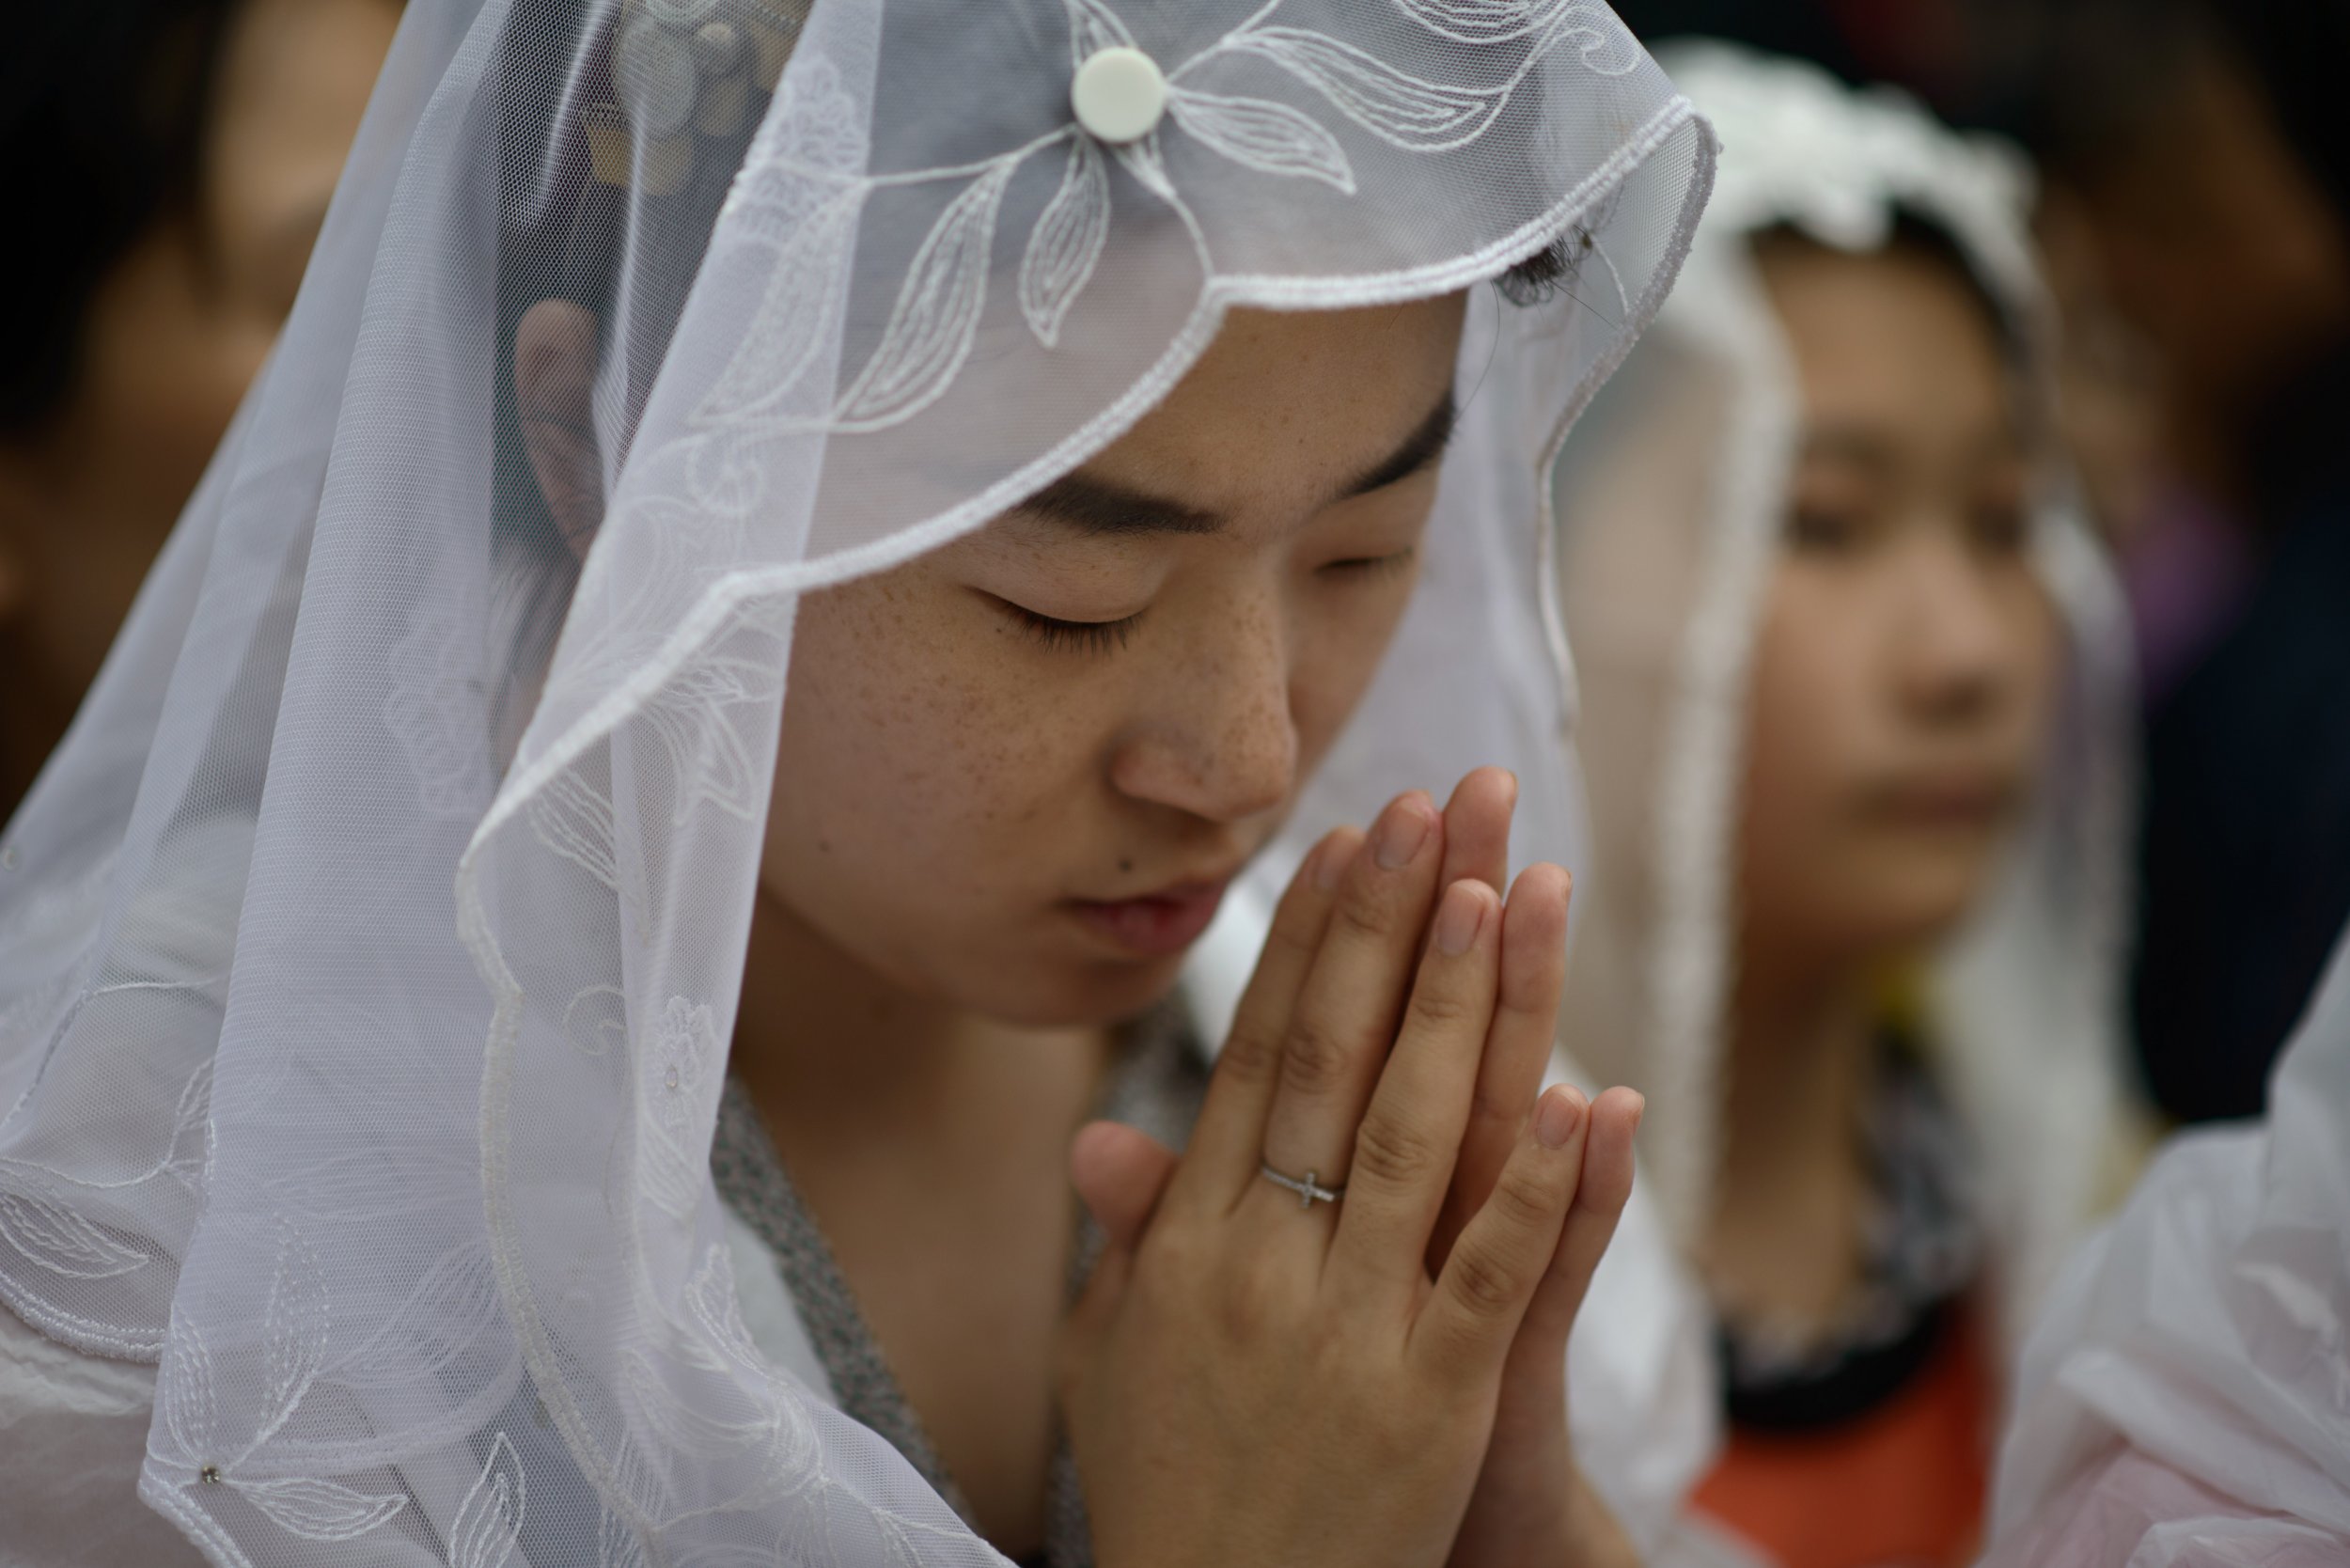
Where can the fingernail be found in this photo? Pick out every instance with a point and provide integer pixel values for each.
(1401, 831)
(1557, 1117)
(1458, 918)
(1330, 863)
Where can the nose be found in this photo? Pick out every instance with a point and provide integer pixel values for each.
(1954, 642)
(1222, 742)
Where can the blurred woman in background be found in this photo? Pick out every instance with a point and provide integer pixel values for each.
(174, 161)
(1855, 692)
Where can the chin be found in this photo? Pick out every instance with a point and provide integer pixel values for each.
(1065, 995)
(1929, 904)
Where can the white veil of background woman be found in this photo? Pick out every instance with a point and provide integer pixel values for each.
(370, 953)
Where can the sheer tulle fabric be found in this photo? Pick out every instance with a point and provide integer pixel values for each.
(1672, 503)
(369, 954)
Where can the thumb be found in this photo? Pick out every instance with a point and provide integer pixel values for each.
(1119, 1172)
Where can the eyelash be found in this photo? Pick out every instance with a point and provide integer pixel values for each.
(1085, 637)
(1108, 637)
(1375, 566)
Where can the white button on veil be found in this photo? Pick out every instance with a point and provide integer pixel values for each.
(370, 953)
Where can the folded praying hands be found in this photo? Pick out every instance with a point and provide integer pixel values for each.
(1371, 1367)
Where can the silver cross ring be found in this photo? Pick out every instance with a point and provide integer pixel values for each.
(1310, 1192)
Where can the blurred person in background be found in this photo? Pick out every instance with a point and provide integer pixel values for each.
(2199, 164)
(2196, 213)
(1856, 693)
(174, 161)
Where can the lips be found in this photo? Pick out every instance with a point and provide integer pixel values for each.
(1157, 925)
(1949, 801)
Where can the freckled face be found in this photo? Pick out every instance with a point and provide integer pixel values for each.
(1015, 774)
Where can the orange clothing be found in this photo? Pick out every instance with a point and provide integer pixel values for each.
(1901, 1486)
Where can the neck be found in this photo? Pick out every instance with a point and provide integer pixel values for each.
(1783, 1240)
(1799, 1063)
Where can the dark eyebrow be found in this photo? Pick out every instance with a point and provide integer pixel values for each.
(1862, 448)
(1423, 446)
(1099, 506)
(1103, 507)
(1878, 455)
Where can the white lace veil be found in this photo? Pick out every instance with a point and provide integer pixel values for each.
(369, 951)
(1671, 502)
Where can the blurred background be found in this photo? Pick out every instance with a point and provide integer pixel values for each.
(173, 159)
(177, 157)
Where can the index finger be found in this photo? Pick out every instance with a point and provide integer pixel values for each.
(1221, 1159)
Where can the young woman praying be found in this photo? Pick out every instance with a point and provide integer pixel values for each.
(790, 563)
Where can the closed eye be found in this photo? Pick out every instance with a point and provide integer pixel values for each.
(1085, 636)
(1373, 566)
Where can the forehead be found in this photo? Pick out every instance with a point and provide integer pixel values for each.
(1290, 405)
(1890, 339)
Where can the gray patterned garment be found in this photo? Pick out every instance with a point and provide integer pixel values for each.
(1155, 1085)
